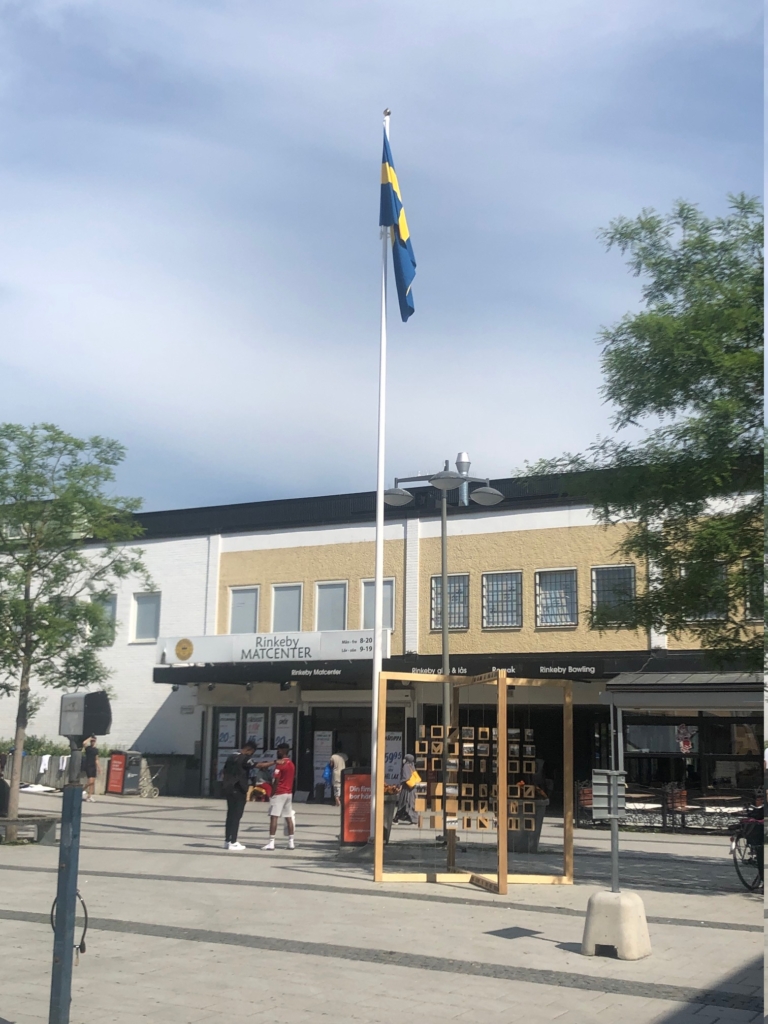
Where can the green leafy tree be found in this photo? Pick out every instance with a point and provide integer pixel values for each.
(61, 552)
(689, 369)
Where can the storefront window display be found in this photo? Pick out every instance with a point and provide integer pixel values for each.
(704, 753)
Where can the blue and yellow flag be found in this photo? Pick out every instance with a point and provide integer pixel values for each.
(392, 216)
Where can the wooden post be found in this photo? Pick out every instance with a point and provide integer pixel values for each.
(568, 781)
(501, 781)
(378, 824)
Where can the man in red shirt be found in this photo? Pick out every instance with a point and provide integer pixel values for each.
(281, 803)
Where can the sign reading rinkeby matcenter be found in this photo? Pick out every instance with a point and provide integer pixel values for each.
(268, 648)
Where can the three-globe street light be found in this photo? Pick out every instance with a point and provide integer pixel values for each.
(446, 480)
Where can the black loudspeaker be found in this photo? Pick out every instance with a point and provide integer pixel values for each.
(97, 714)
(85, 714)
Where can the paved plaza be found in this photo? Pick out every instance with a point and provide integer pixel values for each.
(182, 931)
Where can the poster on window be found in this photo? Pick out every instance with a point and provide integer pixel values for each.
(685, 735)
(393, 757)
(321, 755)
(282, 731)
(256, 728)
(221, 757)
(227, 730)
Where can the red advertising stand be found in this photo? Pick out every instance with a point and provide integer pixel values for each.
(116, 776)
(355, 806)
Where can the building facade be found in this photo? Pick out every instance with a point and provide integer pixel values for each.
(523, 578)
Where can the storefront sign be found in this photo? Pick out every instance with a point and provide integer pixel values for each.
(393, 757)
(269, 648)
(355, 807)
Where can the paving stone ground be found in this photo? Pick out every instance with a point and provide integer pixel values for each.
(181, 931)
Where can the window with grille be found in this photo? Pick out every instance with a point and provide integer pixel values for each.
(613, 591)
(458, 602)
(707, 596)
(556, 598)
(502, 599)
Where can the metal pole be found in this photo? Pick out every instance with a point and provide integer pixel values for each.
(66, 902)
(613, 807)
(378, 575)
(446, 656)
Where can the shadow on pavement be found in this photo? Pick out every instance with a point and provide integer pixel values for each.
(751, 975)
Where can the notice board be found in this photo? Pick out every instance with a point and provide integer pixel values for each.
(355, 806)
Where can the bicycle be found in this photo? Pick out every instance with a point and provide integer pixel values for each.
(747, 849)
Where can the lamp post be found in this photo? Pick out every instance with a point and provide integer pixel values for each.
(446, 480)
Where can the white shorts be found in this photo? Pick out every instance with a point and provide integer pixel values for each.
(281, 806)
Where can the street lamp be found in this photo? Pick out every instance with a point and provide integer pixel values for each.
(446, 480)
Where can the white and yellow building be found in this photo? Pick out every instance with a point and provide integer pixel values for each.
(524, 576)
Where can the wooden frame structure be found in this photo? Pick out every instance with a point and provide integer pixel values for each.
(498, 883)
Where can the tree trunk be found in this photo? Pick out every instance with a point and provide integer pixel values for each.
(22, 720)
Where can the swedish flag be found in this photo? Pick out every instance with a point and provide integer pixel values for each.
(392, 216)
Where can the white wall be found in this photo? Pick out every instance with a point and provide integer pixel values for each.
(145, 715)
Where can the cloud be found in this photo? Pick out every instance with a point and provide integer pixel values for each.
(190, 257)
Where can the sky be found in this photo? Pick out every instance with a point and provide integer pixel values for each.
(190, 257)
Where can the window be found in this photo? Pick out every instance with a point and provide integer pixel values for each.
(707, 598)
(108, 603)
(458, 602)
(147, 621)
(331, 606)
(556, 598)
(753, 585)
(389, 604)
(244, 610)
(286, 608)
(502, 599)
(613, 591)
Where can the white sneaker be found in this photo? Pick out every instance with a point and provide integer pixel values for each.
(270, 845)
(291, 844)
(235, 846)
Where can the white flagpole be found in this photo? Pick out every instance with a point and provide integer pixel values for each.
(378, 574)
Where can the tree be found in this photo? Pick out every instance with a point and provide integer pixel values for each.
(61, 551)
(691, 362)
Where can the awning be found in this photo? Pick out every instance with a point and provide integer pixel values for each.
(695, 691)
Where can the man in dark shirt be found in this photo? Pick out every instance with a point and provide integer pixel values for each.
(234, 786)
(90, 767)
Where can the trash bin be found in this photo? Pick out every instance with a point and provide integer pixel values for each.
(132, 772)
(524, 840)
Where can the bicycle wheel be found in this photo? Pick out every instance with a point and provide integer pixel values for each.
(746, 864)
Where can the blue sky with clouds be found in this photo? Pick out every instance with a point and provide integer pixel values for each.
(189, 258)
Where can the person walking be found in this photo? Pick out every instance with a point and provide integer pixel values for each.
(406, 801)
(338, 763)
(281, 801)
(90, 767)
(234, 786)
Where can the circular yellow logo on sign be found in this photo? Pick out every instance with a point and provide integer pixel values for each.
(184, 650)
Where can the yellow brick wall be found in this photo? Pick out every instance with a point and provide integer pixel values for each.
(579, 547)
(308, 566)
